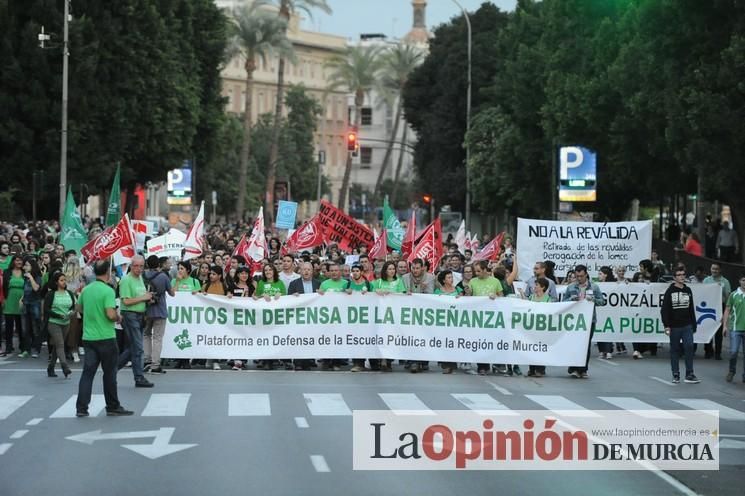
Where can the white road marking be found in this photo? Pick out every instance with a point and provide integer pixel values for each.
(483, 404)
(638, 407)
(319, 463)
(561, 405)
(301, 422)
(499, 388)
(249, 405)
(663, 381)
(9, 404)
(326, 404)
(19, 434)
(731, 444)
(605, 361)
(725, 412)
(35, 421)
(5, 447)
(67, 410)
(167, 405)
(405, 404)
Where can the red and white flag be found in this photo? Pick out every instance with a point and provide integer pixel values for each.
(460, 237)
(257, 248)
(307, 236)
(492, 250)
(407, 244)
(380, 247)
(467, 242)
(429, 246)
(114, 238)
(475, 242)
(195, 240)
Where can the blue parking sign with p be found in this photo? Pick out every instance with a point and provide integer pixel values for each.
(286, 213)
(577, 174)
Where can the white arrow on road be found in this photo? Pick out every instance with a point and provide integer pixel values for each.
(158, 448)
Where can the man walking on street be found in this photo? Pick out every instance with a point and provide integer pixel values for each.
(157, 311)
(727, 243)
(134, 297)
(419, 281)
(98, 305)
(679, 318)
(716, 277)
(736, 309)
(584, 289)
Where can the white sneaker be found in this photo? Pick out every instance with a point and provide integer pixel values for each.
(608, 356)
(216, 366)
(75, 357)
(637, 355)
(81, 351)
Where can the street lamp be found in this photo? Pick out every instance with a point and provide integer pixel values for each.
(468, 118)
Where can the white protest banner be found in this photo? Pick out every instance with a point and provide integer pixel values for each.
(593, 244)
(632, 312)
(405, 327)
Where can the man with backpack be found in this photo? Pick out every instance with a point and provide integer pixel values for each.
(158, 284)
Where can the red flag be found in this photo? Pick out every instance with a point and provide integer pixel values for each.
(407, 244)
(309, 235)
(492, 250)
(467, 245)
(341, 228)
(380, 248)
(109, 241)
(429, 246)
(257, 248)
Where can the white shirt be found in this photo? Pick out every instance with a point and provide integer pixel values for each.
(288, 278)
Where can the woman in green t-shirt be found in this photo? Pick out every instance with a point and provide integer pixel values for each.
(447, 288)
(269, 285)
(389, 283)
(59, 305)
(540, 294)
(184, 281)
(13, 284)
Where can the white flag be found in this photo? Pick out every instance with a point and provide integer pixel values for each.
(460, 237)
(475, 242)
(194, 244)
(257, 249)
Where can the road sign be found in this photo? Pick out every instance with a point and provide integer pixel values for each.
(577, 174)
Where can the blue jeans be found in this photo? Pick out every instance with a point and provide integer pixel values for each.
(684, 334)
(31, 326)
(133, 324)
(105, 353)
(736, 339)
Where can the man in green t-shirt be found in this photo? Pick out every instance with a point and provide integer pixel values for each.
(736, 309)
(334, 284)
(358, 283)
(484, 284)
(98, 305)
(134, 297)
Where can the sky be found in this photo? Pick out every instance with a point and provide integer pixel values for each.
(390, 17)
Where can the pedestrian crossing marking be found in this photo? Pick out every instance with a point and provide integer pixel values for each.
(725, 412)
(5, 447)
(561, 405)
(249, 405)
(638, 407)
(405, 404)
(9, 404)
(483, 404)
(326, 404)
(68, 409)
(166, 405)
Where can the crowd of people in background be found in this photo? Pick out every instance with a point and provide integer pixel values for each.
(41, 282)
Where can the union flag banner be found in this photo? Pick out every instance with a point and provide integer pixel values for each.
(307, 236)
(380, 248)
(342, 229)
(492, 249)
(109, 241)
(429, 246)
(407, 243)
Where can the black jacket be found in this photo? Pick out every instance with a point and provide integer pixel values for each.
(678, 308)
(297, 286)
(47, 308)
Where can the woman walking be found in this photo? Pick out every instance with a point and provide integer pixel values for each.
(13, 284)
(59, 306)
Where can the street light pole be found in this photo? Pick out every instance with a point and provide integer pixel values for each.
(468, 119)
(63, 138)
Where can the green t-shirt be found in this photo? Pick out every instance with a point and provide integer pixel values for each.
(395, 286)
(485, 287)
(736, 305)
(365, 286)
(458, 291)
(61, 305)
(12, 304)
(132, 287)
(189, 284)
(5, 263)
(331, 286)
(95, 299)
(270, 288)
(543, 299)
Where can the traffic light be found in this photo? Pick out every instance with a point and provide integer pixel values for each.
(427, 199)
(352, 143)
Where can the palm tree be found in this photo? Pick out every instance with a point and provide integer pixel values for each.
(356, 72)
(254, 33)
(286, 9)
(398, 63)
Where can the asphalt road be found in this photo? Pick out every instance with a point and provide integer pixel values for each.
(206, 432)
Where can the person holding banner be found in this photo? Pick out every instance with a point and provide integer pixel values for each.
(447, 288)
(484, 284)
(418, 281)
(584, 289)
(388, 283)
(306, 284)
(735, 308)
(334, 284)
(714, 347)
(679, 318)
(268, 287)
(539, 294)
(184, 282)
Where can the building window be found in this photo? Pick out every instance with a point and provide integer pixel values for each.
(366, 116)
(366, 154)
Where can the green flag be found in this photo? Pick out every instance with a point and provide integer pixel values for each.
(393, 226)
(73, 235)
(114, 210)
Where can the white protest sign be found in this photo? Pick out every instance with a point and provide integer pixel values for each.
(593, 244)
(406, 327)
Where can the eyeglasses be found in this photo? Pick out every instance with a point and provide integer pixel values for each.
(680, 274)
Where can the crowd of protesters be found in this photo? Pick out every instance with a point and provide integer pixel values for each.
(41, 281)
